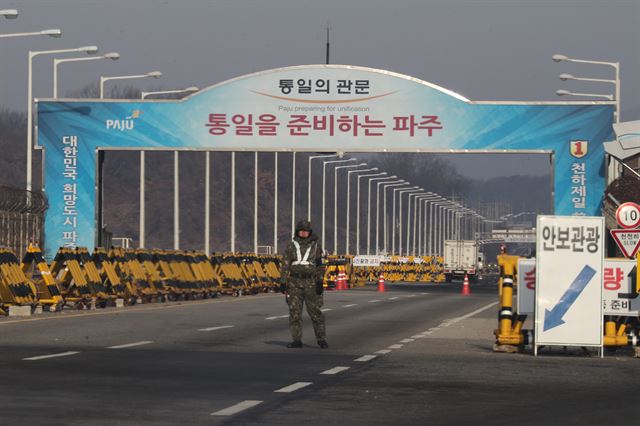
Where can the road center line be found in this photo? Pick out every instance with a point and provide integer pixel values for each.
(241, 406)
(375, 301)
(279, 316)
(348, 306)
(396, 346)
(215, 328)
(418, 336)
(36, 358)
(335, 370)
(393, 298)
(407, 340)
(294, 387)
(130, 345)
(326, 309)
(383, 351)
(365, 358)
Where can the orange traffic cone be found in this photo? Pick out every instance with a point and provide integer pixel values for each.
(339, 281)
(344, 281)
(466, 290)
(381, 284)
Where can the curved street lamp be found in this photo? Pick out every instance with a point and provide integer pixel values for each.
(114, 56)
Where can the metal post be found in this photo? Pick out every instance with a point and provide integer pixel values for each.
(141, 231)
(176, 201)
(275, 205)
(232, 236)
(293, 195)
(431, 230)
(30, 121)
(309, 192)
(255, 202)
(207, 202)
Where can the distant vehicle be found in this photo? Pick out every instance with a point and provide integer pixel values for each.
(461, 257)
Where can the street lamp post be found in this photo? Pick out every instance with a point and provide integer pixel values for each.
(410, 193)
(384, 211)
(377, 226)
(422, 216)
(393, 216)
(313, 157)
(324, 190)
(191, 89)
(377, 207)
(9, 13)
(335, 202)
(415, 194)
(349, 202)
(103, 80)
(358, 207)
(114, 56)
(54, 32)
(33, 54)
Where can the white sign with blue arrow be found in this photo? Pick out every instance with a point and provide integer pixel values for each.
(569, 271)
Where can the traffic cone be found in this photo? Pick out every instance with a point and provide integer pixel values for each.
(381, 283)
(344, 281)
(466, 290)
(339, 281)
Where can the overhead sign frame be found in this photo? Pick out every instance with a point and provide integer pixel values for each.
(384, 112)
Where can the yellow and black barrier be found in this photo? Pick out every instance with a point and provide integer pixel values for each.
(15, 288)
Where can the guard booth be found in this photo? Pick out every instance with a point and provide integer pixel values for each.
(319, 108)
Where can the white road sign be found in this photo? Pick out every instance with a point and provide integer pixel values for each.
(628, 215)
(628, 240)
(369, 260)
(619, 284)
(526, 290)
(569, 265)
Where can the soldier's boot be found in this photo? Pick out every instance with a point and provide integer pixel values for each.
(323, 344)
(294, 344)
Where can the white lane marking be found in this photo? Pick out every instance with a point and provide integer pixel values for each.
(335, 370)
(418, 336)
(36, 358)
(410, 295)
(375, 301)
(383, 351)
(326, 309)
(393, 298)
(396, 346)
(348, 306)
(427, 332)
(365, 358)
(470, 314)
(241, 406)
(423, 293)
(130, 345)
(215, 328)
(294, 387)
(407, 340)
(277, 317)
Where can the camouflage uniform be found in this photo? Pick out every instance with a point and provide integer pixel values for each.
(302, 274)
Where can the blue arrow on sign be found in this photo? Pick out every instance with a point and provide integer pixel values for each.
(553, 317)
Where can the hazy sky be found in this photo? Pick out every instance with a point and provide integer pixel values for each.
(485, 50)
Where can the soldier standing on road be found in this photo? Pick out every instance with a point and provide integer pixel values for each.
(302, 281)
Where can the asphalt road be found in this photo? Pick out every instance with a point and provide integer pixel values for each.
(417, 354)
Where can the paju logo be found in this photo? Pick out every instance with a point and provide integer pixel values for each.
(126, 124)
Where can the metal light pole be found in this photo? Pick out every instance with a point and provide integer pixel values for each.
(612, 170)
(9, 13)
(358, 207)
(176, 201)
(409, 192)
(393, 216)
(313, 157)
(275, 203)
(232, 236)
(335, 202)
(415, 194)
(377, 207)
(384, 213)
(103, 80)
(293, 195)
(33, 54)
(114, 56)
(349, 202)
(54, 32)
(144, 95)
(255, 202)
(421, 218)
(324, 191)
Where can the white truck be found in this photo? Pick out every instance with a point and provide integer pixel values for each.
(461, 258)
